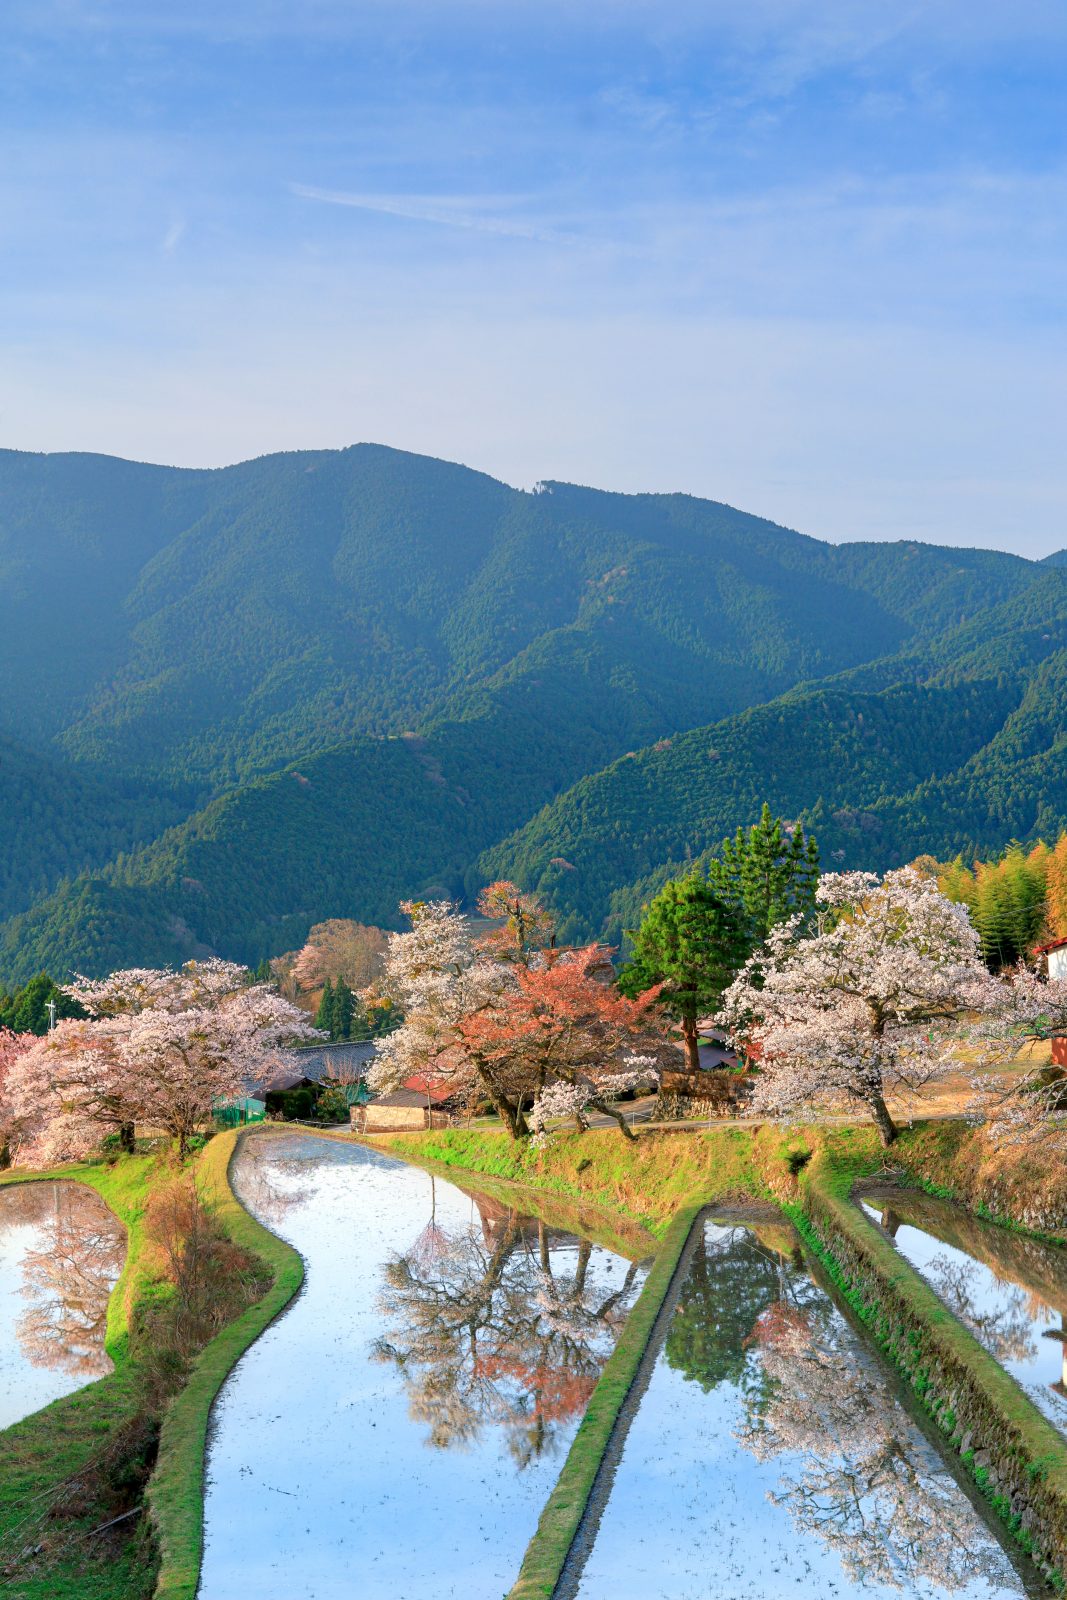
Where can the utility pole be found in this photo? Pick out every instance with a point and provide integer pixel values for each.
(51, 1015)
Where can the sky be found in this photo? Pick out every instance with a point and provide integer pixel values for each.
(804, 256)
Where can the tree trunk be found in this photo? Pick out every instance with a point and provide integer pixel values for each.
(126, 1139)
(610, 1111)
(887, 1130)
(510, 1115)
(692, 1050)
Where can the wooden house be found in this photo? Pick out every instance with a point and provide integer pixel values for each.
(416, 1104)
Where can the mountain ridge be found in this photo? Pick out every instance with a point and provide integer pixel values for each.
(176, 642)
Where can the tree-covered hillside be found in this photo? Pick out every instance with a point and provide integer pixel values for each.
(340, 677)
(969, 758)
(210, 625)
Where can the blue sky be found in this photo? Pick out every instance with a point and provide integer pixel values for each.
(804, 257)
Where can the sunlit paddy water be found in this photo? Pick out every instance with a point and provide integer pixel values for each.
(1010, 1290)
(770, 1457)
(61, 1252)
(397, 1431)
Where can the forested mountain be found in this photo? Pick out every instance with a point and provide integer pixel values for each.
(967, 750)
(235, 702)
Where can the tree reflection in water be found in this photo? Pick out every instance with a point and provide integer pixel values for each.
(1006, 1330)
(67, 1276)
(502, 1324)
(864, 1480)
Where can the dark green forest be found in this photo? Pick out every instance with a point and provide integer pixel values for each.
(236, 702)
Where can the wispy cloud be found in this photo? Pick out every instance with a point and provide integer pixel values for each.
(443, 211)
(173, 236)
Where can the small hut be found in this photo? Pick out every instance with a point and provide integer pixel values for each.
(416, 1104)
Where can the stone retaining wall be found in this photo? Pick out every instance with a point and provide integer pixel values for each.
(1016, 1456)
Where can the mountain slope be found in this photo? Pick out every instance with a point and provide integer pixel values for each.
(965, 750)
(211, 625)
(244, 648)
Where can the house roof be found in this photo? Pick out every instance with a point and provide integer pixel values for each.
(313, 1063)
(316, 1060)
(418, 1085)
(402, 1097)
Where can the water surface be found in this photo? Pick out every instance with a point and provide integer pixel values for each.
(1010, 1290)
(61, 1252)
(397, 1431)
(770, 1456)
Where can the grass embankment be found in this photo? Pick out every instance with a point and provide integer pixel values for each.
(46, 1459)
(43, 1457)
(649, 1179)
(565, 1507)
(1014, 1454)
(175, 1492)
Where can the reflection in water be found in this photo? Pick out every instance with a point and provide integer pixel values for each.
(61, 1252)
(398, 1430)
(1009, 1290)
(856, 1474)
(499, 1323)
(769, 1456)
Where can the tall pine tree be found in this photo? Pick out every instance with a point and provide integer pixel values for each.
(343, 1007)
(768, 873)
(324, 1015)
(694, 944)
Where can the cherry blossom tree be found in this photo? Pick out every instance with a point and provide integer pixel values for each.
(565, 1031)
(524, 923)
(12, 1046)
(71, 1089)
(160, 1047)
(866, 1006)
(340, 948)
(440, 979)
(1028, 1107)
(183, 1063)
(504, 1028)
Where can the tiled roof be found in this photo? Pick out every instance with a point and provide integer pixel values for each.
(314, 1060)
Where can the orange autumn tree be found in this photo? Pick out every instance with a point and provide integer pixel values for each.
(568, 1035)
(524, 923)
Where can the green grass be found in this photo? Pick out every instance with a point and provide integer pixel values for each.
(40, 1455)
(648, 1179)
(936, 1353)
(559, 1521)
(175, 1492)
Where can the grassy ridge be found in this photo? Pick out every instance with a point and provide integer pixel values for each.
(175, 1493)
(40, 1455)
(650, 1178)
(559, 1521)
(962, 1386)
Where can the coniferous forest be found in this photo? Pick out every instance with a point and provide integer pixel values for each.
(235, 703)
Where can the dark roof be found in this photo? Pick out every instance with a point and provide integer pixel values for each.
(402, 1097)
(313, 1063)
(314, 1060)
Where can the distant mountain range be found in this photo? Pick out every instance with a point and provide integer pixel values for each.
(235, 702)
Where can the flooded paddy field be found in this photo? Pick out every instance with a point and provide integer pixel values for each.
(61, 1253)
(771, 1455)
(1008, 1289)
(397, 1431)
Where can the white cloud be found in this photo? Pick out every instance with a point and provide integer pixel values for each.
(468, 212)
